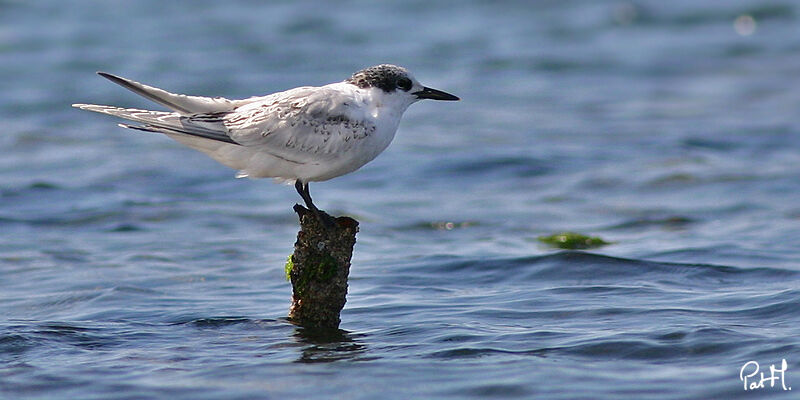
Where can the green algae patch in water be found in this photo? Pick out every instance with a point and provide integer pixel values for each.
(572, 241)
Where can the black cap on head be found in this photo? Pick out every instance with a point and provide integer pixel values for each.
(384, 77)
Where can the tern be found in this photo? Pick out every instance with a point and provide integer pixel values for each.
(302, 135)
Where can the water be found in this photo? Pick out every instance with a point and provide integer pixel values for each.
(131, 267)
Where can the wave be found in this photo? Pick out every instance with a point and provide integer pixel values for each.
(589, 267)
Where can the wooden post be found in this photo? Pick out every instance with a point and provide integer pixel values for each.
(319, 267)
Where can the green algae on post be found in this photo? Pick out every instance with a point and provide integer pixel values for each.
(288, 268)
(572, 241)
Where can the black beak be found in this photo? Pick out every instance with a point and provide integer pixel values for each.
(433, 94)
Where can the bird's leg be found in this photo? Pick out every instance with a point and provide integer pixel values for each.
(302, 189)
(322, 217)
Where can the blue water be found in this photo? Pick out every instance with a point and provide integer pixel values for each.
(131, 267)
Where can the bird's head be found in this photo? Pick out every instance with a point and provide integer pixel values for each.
(397, 83)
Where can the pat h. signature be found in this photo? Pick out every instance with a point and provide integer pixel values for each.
(753, 378)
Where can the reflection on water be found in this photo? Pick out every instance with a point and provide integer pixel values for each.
(327, 345)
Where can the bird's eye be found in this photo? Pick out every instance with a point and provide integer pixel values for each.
(404, 83)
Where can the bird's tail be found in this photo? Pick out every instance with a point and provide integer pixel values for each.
(164, 122)
(161, 118)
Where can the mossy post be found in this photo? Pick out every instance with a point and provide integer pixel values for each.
(318, 269)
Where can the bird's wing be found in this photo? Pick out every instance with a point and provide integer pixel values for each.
(180, 103)
(306, 124)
